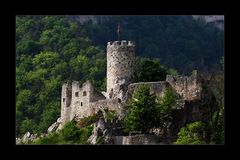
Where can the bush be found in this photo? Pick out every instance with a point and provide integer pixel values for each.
(192, 134)
(70, 134)
(89, 120)
(85, 133)
(53, 138)
(111, 115)
(27, 125)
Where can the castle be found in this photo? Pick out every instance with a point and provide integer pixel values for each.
(82, 101)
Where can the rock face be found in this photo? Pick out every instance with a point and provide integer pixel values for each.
(53, 127)
(216, 20)
(105, 131)
(98, 129)
(28, 137)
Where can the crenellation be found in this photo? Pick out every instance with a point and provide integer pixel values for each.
(120, 43)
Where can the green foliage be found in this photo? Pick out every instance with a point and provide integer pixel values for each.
(141, 112)
(164, 107)
(51, 139)
(180, 41)
(192, 134)
(46, 60)
(85, 133)
(173, 72)
(111, 116)
(168, 100)
(145, 111)
(49, 51)
(49, 115)
(216, 86)
(89, 120)
(218, 132)
(70, 134)
(148, 70)
(27, 125)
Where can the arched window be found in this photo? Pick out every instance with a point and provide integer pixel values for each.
(84, 93)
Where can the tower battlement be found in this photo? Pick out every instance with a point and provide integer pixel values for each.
(120, 43)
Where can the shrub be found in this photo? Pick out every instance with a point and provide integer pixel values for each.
(192, 134)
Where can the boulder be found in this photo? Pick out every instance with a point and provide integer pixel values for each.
(92, 139)
(54, 126)
(59, 120)
(18, 140)
(26, 137)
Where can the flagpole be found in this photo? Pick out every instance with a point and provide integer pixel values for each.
(118, 31)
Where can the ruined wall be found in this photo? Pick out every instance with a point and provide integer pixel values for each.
(189, 88)
(76, 100)
(120, 64)
(110, 104)
(97, 95)
(66, 101)
(155, 87)
(94, 107)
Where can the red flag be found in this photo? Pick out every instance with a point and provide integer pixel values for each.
(118, 28)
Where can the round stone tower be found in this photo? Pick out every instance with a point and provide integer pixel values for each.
(120, 65)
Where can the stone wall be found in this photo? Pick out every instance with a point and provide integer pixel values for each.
(136, 140)
(155, 87)
(110, 104)
(66, 101)
(120, 64)
(78, 100)
(189, 88)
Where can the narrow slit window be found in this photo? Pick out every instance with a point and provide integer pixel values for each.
(63, 99)
(81, 103)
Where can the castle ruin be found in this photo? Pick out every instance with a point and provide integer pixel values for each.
(82, 101)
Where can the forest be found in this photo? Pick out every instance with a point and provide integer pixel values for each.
(51, 50)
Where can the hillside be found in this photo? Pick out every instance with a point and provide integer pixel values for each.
(169, 38)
